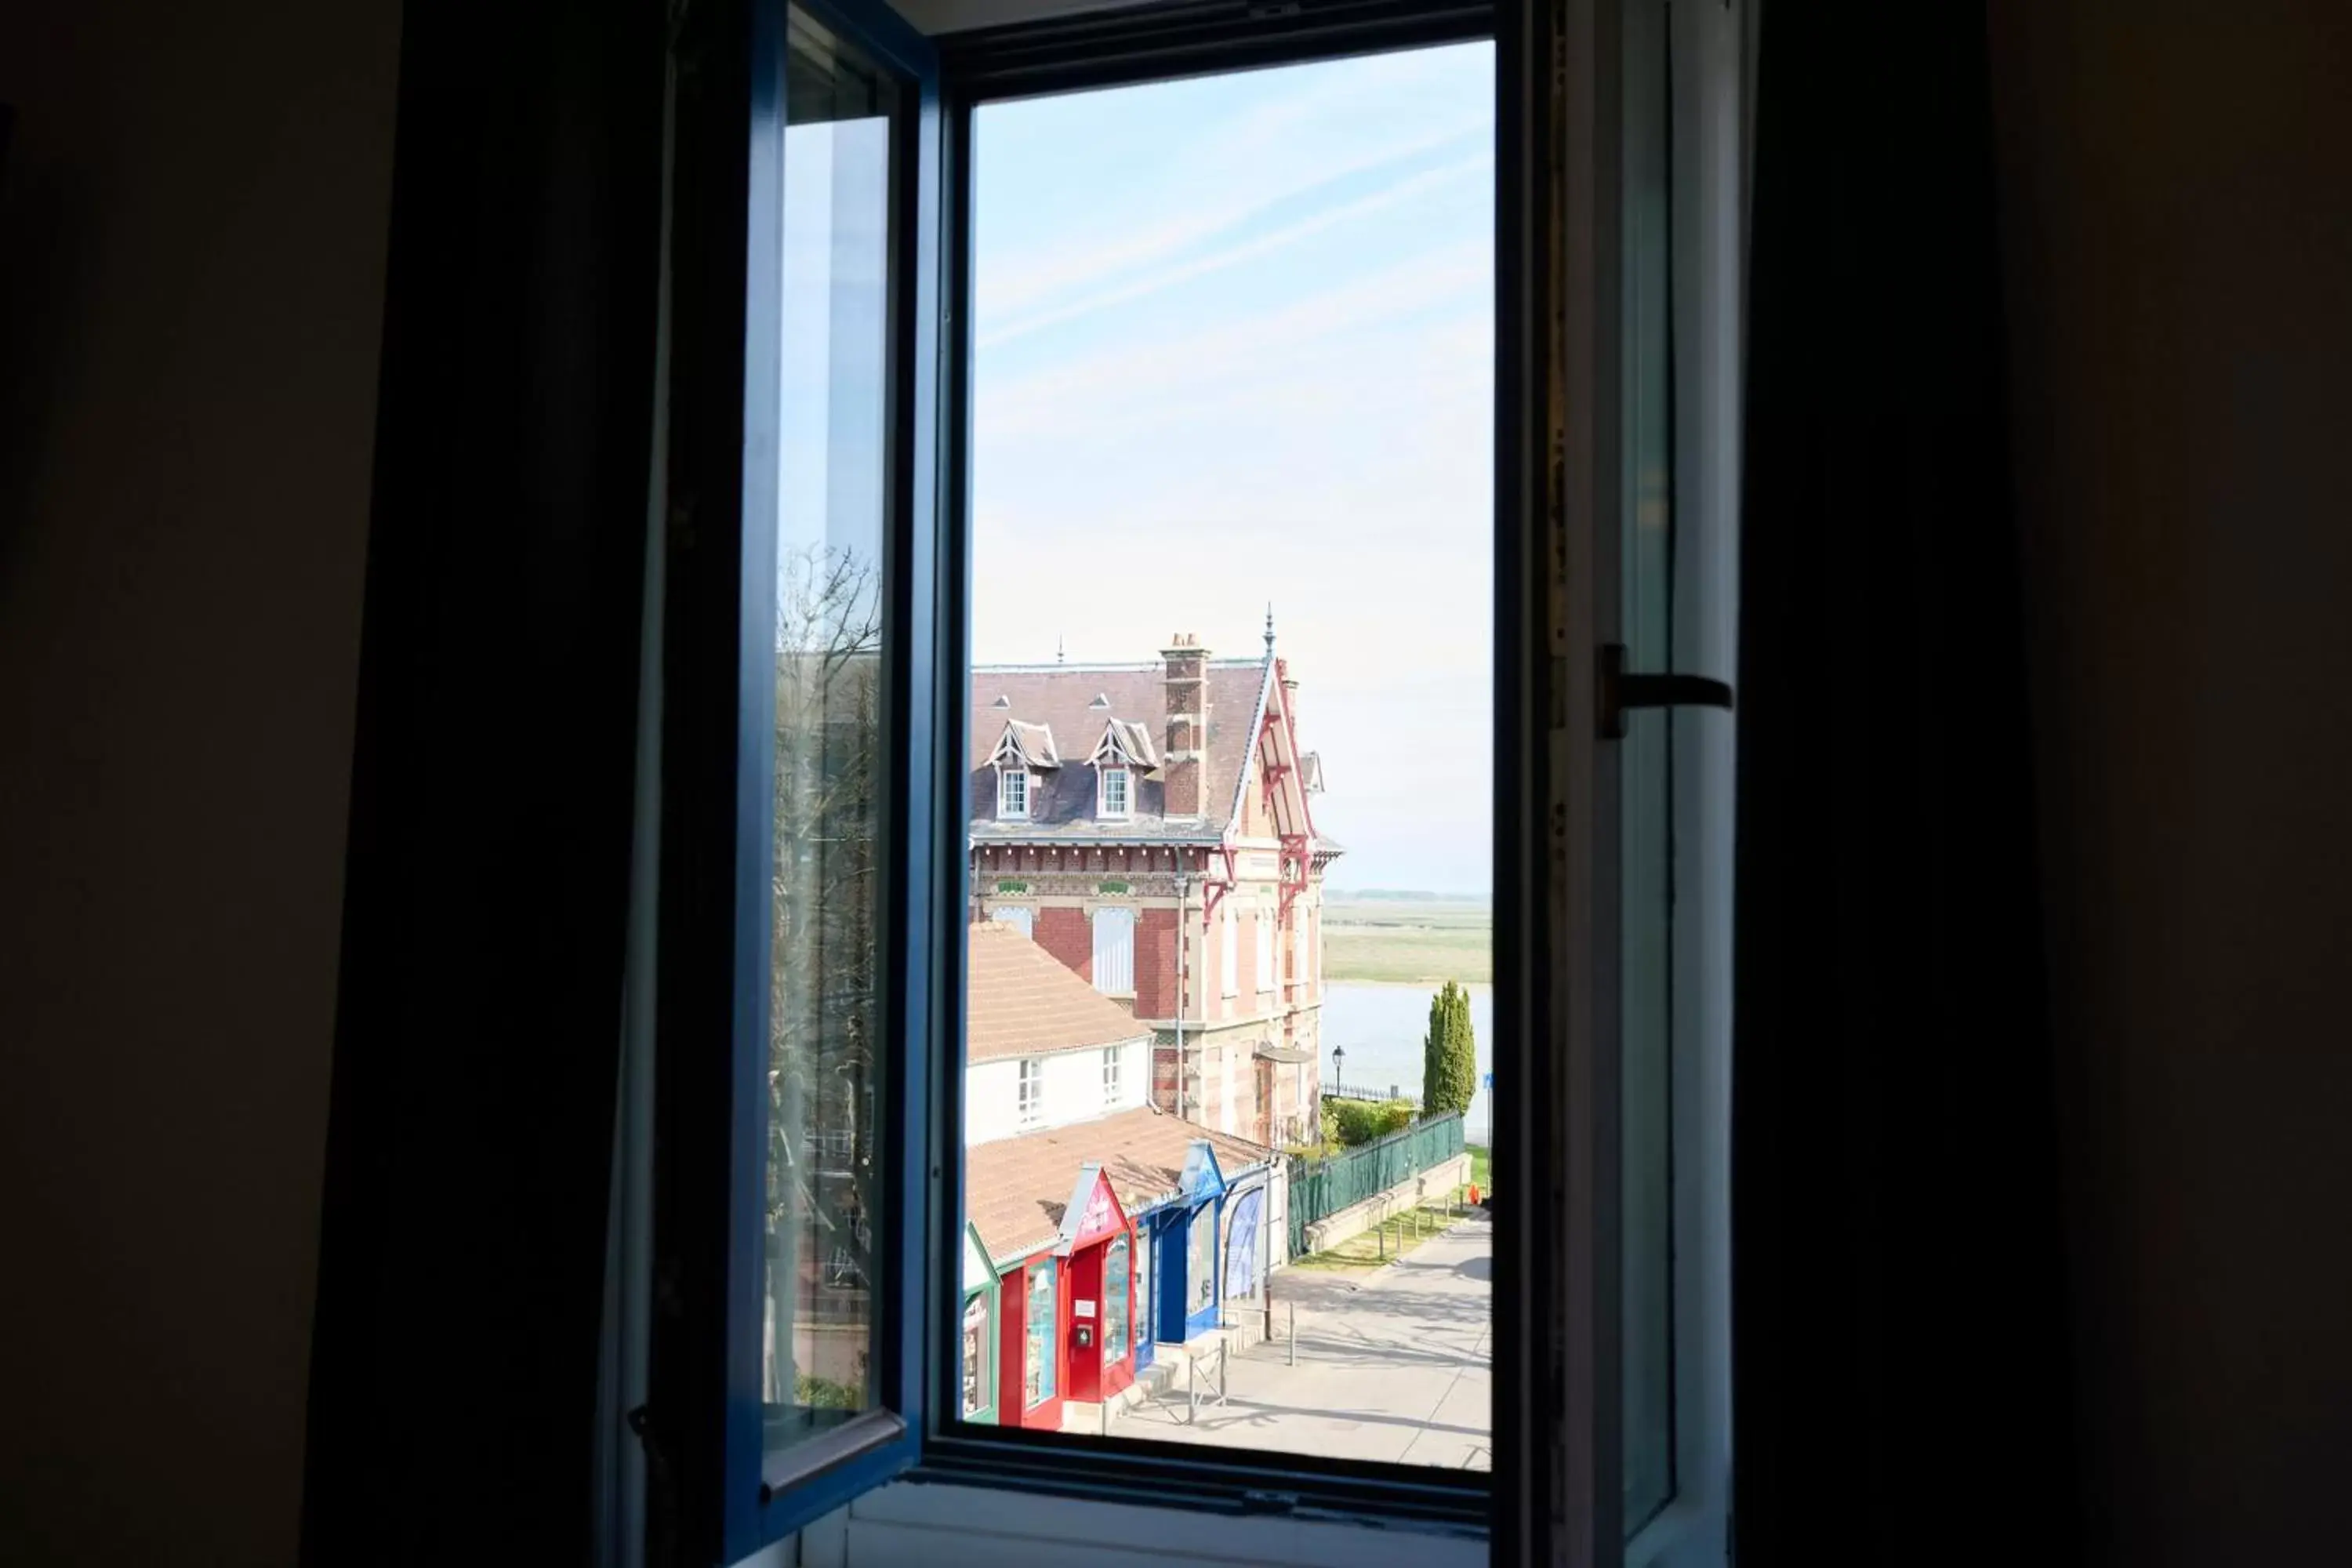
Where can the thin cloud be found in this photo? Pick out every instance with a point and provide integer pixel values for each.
(1052, 400)
(1240, 171)
(1404, 190)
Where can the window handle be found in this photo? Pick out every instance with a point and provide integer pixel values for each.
(1621, 693)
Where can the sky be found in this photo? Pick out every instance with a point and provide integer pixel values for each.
(1235, 343)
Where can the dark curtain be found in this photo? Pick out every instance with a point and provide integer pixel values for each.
(1901, 1371)
(453, 1369)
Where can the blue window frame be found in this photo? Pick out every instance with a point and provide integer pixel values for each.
(790, 1369)
(730, 1491)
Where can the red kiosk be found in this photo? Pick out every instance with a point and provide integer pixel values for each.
(1069, 1312)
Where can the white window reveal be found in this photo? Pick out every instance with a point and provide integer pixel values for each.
(1113, 801)
(1115, 951)
(1013, 793)
(1110, 1075)
(1032, 1105)
(1020, 917)
(1229, 952)
(1265, 919)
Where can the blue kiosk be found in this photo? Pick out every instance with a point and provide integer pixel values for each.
(1183, 1293)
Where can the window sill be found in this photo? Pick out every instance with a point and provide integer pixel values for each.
(967, 1514)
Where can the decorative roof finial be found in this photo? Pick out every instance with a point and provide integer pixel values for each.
(1269, 625)
(1058, 648)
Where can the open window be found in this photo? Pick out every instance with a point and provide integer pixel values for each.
(845, 808)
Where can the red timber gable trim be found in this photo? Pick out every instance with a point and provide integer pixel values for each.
(1217, 890)
(1093, 1213)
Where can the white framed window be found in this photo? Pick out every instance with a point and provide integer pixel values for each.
(1020, 917)
(1013, 793)
(1267, 917)
(1110, 1075)
(1111, 795)
(1229, 952)
(1029, 1108)
(1115, 951)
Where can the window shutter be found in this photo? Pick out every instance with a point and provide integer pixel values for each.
(1115, 951)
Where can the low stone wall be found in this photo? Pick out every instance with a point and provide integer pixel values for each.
(1357, 1218)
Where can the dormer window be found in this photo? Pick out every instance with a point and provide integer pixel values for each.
(1125, 746)
(1021, 751)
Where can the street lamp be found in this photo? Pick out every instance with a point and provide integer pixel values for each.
(1338, 1055)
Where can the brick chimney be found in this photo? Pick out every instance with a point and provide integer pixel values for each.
(1184, 756)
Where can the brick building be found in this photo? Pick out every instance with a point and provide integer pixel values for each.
(1116, 806)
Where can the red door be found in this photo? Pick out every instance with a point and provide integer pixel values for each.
(1009, 1382)
(1083, 1347)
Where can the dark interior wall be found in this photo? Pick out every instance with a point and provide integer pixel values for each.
(2176, 183)
(193, 231)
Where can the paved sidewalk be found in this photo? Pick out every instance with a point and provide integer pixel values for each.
(1396, 1364)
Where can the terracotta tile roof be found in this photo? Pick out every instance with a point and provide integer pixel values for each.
(1062, 698)
(1022, 1001)
(1017, 1188)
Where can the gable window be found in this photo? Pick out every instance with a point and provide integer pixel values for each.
(1112, 801)
(1115, 951)
(1110, 1075)
(1013, 794)
(1029, 1108)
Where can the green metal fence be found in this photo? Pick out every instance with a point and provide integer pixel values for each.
(1323, 1185)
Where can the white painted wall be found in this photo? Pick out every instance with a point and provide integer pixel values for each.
(992, 1090)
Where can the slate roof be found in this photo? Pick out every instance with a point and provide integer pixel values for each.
(1062, 698)
(1033, 743)
(1022, 1001)
(1017, 1188)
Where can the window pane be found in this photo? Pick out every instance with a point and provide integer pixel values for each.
(1038, 1364)
(1200, 1259)
(975, 1356)
(1115, 1300)
(1232, 344)
(832, 479)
